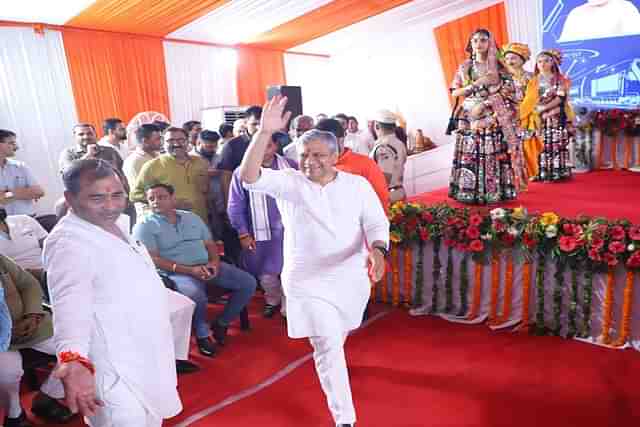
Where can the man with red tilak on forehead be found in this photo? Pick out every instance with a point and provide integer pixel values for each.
(334, 227)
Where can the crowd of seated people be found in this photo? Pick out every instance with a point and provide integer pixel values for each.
(189, 208)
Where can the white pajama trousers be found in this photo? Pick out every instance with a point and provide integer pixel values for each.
(121, 407)
(331, 367)
(11, 374)
(180, 314)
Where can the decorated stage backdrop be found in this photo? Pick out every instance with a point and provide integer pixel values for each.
(567, 277)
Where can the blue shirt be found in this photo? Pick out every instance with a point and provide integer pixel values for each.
(5, 322)
(182, 242)
(15, 174)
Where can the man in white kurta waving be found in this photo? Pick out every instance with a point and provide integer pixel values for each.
(110, 310)
(335, 235)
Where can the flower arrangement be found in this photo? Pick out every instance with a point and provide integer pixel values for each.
(577, 246)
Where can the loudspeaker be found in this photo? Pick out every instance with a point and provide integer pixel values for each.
(294, 98)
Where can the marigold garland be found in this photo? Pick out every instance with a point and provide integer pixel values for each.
(540, 327)
(626, 310)
(477, 290)
(448, 287)
(495, 285)
(419, 287)
(508, 292)
(607, 308)
(408, 271)
(526, 295)
(437, 265)
(464, 285)
(395, 278)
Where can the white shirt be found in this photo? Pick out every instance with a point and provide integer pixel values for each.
(23, 242)
(325, 274)
(360, 142)
(598, 19)
(111, 306)
(122, 148)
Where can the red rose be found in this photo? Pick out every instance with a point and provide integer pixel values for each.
(567, 243)
(475, 220)
(499, 226)
(449, 242)
(461, 247)
(567, 228)
(610, 259)
(634, 232)
(427, 217)
(412, 224)
(595, 255)
(424, 234)
(452, 221)
(617, 232)
(616, 247)
(597, 244)
(508, 239)
(528, 240)
(473, 232)
(476, 246)
(634, 260)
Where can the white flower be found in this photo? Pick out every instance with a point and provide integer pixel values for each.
(551, 231)
(486, 236)
(498, 213)
(631, 247)
(513, 231)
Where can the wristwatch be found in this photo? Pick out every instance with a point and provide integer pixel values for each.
(382, 249)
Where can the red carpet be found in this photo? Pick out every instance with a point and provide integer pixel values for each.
(611, 194)
(428, 372)
(420, 372)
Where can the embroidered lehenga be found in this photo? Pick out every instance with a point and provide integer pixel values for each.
(482, 172)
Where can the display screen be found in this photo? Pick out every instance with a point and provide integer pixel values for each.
(600, 40)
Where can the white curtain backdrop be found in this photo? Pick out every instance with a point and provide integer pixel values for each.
(36, 102)
(388, 61)
(199, 77)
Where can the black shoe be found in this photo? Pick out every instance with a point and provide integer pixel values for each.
(345, 425)
(206, 347)
(21, 421)
(219, 331)
(186, 367)
(50, 409)
(269, 310)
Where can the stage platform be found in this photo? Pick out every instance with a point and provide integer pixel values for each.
(610, 194)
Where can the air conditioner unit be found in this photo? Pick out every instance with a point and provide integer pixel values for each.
(213, 117)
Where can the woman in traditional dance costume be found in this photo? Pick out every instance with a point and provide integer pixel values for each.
(546, 112)
(487, 124)
(515, 55)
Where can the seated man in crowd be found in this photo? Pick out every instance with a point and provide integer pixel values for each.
(18, 188)
(180, 244)
(187, 174)
(256, 218)
(21, 239)
(32, 328)
(357, 164)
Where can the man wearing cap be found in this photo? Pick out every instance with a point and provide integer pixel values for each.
(390, 154)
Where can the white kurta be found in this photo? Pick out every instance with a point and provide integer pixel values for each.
(325, 274)
(110, 305)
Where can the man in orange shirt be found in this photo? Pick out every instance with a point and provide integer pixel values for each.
(355, 163)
